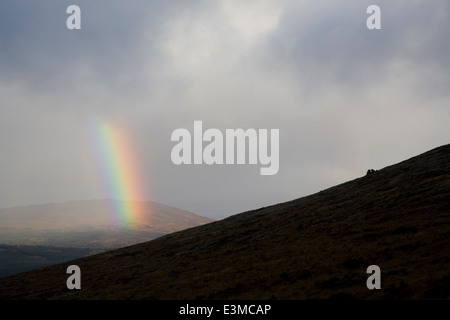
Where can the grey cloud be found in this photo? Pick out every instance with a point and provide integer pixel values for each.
(344, 98)
(111, 47)
(330, 42)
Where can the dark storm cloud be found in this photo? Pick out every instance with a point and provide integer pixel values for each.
(329, 42)
(345, 98)
(38, 50)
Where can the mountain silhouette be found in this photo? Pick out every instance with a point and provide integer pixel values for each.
(314, 247)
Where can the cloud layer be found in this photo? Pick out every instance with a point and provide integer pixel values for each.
(344, 98)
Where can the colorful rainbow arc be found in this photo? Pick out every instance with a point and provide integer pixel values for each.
(117, 163)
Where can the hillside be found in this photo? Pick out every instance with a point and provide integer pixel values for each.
(315, 247)
(15, 259)
(91, 224)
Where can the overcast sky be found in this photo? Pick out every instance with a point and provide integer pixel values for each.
(345, 98)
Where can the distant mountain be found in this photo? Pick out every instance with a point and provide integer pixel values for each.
(315, 247)
(92, 223)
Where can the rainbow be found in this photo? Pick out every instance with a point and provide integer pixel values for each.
(118, 167)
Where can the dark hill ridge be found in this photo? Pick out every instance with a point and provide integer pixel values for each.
(317, 246)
